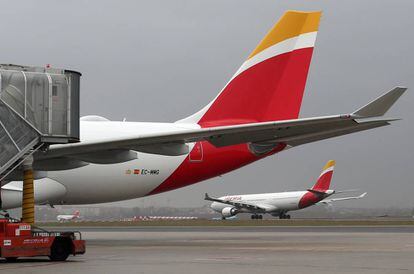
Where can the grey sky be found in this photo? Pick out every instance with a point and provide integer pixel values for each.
(164, 60)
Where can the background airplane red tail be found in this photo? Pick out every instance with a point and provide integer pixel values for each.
(270, 84)
(324, 180)
(76, 213)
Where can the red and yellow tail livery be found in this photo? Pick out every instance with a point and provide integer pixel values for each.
(324, 180)
(269, 85)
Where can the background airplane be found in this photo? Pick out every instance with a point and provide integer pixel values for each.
(278, 204)
(254, 116)
(228, 218)
(69, 217)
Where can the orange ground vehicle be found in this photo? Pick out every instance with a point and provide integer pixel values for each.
(19, 239)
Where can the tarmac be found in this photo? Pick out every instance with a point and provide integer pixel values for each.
(270, 249)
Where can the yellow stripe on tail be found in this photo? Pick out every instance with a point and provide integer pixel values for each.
(328, 165)
(291, 24)
(324, 180)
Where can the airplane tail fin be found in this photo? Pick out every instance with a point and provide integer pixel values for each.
(269, 85)
(76, 213)
(324, 181)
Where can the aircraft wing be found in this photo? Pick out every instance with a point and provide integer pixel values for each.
(290, 132)
(236, 204)
(327, 201)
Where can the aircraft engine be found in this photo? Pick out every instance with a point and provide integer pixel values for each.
(229, 211)
(46, 191)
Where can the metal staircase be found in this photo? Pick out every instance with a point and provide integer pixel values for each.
(17, 137)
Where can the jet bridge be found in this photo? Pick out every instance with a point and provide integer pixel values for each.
(38, 107)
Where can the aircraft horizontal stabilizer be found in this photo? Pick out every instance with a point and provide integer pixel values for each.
(363, 195)
(327, 201)
(346, 191)
(316, 191)
(381, 105)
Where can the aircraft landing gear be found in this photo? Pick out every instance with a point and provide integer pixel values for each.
(284, 216)
(257, 217)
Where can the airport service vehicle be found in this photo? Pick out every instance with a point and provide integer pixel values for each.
(254, 116)
(18, 239)
(278, 204)
(69, 217)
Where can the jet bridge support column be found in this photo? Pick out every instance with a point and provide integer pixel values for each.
(28, 205)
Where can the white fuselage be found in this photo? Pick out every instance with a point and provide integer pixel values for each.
(273, 203)
(147, 174)
(96, 183)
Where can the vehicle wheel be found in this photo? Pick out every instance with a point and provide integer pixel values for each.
(223, 218)
(253, 217)
(260, 217)
(60, 251)
(287, 216)
(11, 259)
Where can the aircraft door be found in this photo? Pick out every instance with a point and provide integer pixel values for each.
(196, 154)
(59, 100)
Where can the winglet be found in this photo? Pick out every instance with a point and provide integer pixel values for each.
(208, 198)
(381, 105)
(363, 195)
